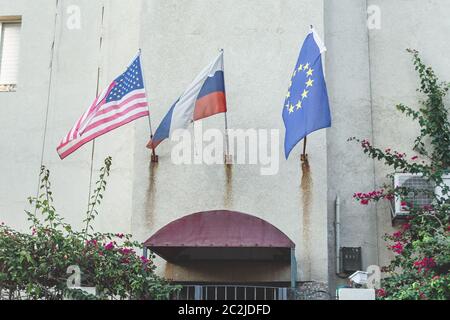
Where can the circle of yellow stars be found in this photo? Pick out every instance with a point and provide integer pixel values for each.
(304, 95)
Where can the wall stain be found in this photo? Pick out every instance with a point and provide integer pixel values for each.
(151, 196)
(306, 198)
(228, 194)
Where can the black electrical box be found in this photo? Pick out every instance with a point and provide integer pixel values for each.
(351, 259)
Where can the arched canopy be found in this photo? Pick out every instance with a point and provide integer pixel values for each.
(239, 236)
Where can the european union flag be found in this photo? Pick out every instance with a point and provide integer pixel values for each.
(306, 108)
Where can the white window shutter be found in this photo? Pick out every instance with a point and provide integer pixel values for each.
(9, 52)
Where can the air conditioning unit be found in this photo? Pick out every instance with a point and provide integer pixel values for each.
(412, 181)
(446, 181)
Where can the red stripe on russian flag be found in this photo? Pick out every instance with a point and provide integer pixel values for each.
(210, 105)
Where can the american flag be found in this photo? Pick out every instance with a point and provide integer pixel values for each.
(123, 101)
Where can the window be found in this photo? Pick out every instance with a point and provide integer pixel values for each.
(9, 53)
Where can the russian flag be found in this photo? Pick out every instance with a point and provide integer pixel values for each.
(203, 98)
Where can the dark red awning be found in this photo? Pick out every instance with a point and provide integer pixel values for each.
(183, 238)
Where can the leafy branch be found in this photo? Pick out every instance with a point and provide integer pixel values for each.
(432, 117)
(44, 203)
(97, 196)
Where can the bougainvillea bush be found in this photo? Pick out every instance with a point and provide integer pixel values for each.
(421, 245)
(39, 264)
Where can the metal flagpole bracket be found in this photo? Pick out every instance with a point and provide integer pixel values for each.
(154, 157)
(228, 158)
(304, 155)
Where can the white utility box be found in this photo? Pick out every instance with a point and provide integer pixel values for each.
(356, 294)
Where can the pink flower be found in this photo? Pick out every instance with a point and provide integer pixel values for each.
(425, 264)
(357, 195)
(365, 143)
(397, 235)
(397, 248)
(92, 242)
(405, 205)
(389, 197)
(381, 293)
(126, 251)
(109, 246)
(364, 202)
(120, 235)
(144, 260)
(414, 158)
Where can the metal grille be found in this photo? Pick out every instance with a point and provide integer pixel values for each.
(418, 198)
(220, 292)
(230, 292)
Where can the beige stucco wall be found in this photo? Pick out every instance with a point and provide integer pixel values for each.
(261, 41)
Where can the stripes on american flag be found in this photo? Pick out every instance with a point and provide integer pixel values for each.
(123, 101)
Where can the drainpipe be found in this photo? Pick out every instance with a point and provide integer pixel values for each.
(293, 269)
(145, 251)
(338, 235)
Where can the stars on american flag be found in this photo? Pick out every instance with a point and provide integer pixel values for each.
(129, 81)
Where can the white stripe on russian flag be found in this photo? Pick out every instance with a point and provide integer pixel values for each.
(183, 112)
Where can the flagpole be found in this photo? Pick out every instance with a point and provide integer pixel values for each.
(228, 159)
(304, 155)
(93, 142)
(154, 157)
(99, 69)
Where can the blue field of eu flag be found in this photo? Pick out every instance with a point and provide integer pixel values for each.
(306, 108)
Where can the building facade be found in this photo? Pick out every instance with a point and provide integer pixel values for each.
(61, 50)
